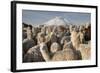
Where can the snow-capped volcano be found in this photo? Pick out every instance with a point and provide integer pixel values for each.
(57, 21)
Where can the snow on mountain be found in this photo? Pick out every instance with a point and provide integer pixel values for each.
(57, 21)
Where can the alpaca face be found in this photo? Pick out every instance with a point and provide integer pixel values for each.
(55, 47)
(34, 32)
(43, 29)
(29, 33)
(41, 38)
(82, 40)
(53, 38)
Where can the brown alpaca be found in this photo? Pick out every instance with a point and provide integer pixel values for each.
(57, 56)
(28, 42)
(88, 33)
(40, 37)
(33, 55)
(69, 46)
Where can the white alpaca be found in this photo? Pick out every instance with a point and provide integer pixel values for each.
(75, 38)
(83, 48)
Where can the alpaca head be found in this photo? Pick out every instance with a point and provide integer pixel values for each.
(65, 39)
(67, 46)
(43, 29)
(29, 32)
(71, 27)
(55, 47)
(81, 28)
(34, 31)
(53, 38)
(60, 31)
(41, 37)
(88, 25)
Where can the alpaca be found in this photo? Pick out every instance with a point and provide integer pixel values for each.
(41, 37)
(34, 32)
(65, 39)
(28, 42)
(75, 39)
(24, 28)
(33, 55)
(61, 30)
(85, 50)
(43, 29)
(82, 34)
(24, 34)
(67, 33)
(71, 27)
(48, 30)
(88, 32)
(55, 47)
(62, 55)
(69, 46)
(51, 39)
(82, 39)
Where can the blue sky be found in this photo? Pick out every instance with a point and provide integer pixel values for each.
(39, 17)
